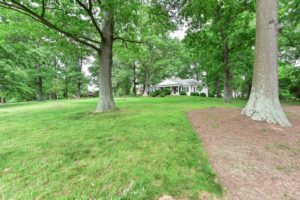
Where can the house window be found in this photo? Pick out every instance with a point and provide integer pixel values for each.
(194, 89)
(187, 89)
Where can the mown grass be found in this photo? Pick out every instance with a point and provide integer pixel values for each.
(63, 150)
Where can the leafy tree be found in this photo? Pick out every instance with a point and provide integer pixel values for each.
(220, 25)
(95, 24)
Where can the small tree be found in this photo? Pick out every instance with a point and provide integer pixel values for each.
(56, 87)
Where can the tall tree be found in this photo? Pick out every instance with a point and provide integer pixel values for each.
(219, 20)
(95, 24)
(264, 104)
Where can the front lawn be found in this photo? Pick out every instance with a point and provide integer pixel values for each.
(62, 150)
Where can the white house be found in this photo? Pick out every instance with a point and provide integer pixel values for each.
(188, 85)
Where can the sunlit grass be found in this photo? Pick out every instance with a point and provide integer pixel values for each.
(63, 150)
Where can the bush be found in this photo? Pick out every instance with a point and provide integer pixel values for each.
(155, 93)
(202, 94)
(195, 94)
(162, 94)
(182, 93)
(295, 90)
(166, 91)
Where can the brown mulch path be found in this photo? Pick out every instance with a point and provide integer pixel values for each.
(253, 160)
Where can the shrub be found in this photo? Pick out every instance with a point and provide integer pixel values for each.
(195, 94)
(211, 95)
(154, 93)
(202, 94)
(182, 93)
(162, 94)
(295, 90)
(166, 91)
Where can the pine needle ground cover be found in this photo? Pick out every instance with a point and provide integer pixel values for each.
(145, 149)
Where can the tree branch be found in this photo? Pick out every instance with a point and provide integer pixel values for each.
(124, 41)
(89, 11)
(18, 7)
(43, 8)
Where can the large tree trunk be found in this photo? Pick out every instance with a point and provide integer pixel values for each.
(227, 71)
(78, 92)
(39, 83)
(264, 104)
(106, 100)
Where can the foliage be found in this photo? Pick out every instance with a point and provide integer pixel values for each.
(194, 93)
(220, 37)
(289, 82)
(155, 93)
(27, 54)
(144, 53)
(167, 91)
(183, 93)
(202, 94)
(162, 94)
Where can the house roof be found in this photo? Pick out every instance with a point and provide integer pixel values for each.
(178, 81)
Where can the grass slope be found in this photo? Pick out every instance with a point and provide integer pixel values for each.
(62, 150)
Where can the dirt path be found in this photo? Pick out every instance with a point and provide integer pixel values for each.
(253, 160)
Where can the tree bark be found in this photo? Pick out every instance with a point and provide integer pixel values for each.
(216, 87)
(227, 71)
(264, 104)
(106, 100)
(2, 100)
(134, 80)
(66, 92)
(147, 85)
(39, 83)
(78, 92)
(249, 91)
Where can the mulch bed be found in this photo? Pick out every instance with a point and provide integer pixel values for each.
(253, 160)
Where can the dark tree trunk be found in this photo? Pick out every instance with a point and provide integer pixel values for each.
(66, 92)
(127, 87)
(106, 100)
(134, 88)
(39, 83)
(78, 92)
(249, 90)
(134, 80)
(216, 87)
(227, 71)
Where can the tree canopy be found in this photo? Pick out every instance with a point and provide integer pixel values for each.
(47, 46)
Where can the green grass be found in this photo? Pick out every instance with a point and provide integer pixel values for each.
(63, 150)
